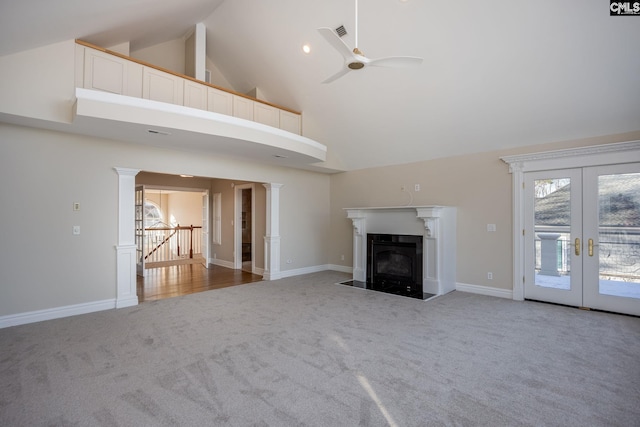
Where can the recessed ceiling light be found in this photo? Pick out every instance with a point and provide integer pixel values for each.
(306, 48)
(186, 176)
(157, 132)
(280, 156)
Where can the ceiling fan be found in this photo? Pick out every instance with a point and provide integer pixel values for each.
(355, 59)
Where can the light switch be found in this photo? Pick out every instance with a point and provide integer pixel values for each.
(491, 227)
(76, 206)
(76, 230)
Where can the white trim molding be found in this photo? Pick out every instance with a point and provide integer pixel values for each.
(56, 313)
(272, 237)
(595, 155)
(316, 269)
(222, 263)
(304, 270)
(126, 288)
(340, 268)
(484, 290)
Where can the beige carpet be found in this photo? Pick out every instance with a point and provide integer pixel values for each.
(305, 351)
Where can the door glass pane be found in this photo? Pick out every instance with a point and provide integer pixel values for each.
(619, 235)
(552, 228)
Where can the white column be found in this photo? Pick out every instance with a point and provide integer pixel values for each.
(126, 291)
(201, 51)
(272, 238)
(432, 253)
(516, 170)
(359, 244)
(439, 266)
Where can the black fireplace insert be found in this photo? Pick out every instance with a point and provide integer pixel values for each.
(394, 264)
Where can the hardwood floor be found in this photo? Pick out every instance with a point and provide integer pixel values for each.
(168, 282)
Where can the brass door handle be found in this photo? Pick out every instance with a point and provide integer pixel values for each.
(577, 246)
(591, 245)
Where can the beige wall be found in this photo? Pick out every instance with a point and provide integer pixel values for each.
(478, 185)
(39, 83)
(169, 55)
(43, 266)
(190, 55)
(186, 208)
(217, 78)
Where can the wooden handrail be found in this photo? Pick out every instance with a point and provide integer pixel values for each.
(185, 227)
(175, 230)
(146, 64)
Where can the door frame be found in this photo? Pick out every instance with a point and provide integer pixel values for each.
(595, 155)
(237, 222)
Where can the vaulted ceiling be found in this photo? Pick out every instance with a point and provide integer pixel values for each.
(496, 74)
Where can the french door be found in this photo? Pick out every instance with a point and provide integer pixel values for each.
(582, 237)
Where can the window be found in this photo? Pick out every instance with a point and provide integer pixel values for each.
(152, 215)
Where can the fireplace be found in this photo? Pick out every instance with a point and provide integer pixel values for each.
(419, 260)
(394, 264)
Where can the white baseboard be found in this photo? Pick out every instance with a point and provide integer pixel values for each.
(340, 268)
(127, 302)
(222, 263)
(305, 270)
(484, 290)
(56, 313)
(315, 269)
(229, 264)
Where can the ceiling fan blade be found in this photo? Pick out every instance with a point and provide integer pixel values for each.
(395, 61)
(335, 41)
(337, 75)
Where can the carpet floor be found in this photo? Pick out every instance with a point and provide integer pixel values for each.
(304, 351)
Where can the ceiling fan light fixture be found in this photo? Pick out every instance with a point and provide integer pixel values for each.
(355, 59)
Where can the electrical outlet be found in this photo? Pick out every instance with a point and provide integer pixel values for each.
(341, 257)
(490, 275)
(491, 227)
(289, 261)
(416, 187)
(76, 230)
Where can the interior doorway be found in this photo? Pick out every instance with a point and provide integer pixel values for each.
(172, 227)
(244, 226)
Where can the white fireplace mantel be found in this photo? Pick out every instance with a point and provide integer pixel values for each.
(437, 225)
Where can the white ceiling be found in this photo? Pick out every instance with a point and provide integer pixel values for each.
(496, 74)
